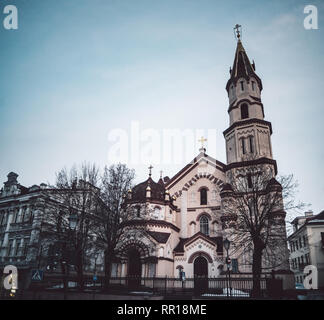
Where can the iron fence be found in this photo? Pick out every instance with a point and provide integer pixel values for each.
(208, 287)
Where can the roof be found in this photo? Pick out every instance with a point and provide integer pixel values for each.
(218, 241)
(185, 170)
(319, 218)
(157, 190)
(242, 68)
(161, 237)
(311, 220)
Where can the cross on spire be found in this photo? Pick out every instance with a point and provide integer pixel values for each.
(202, 140)
(238, 31)
(150, 168)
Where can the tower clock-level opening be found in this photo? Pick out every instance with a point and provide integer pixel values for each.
(134, 268)
(201, 275)
(244, 111)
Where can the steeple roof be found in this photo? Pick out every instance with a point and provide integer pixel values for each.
(242, 68)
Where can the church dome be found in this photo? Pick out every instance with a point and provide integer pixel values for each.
(157, 190)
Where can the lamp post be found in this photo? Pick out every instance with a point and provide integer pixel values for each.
(227, 244)
(73, 221)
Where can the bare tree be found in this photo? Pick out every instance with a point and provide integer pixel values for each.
(117, 180)
(255, 205)
(74, 197)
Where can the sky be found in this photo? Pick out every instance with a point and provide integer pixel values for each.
(77, 72)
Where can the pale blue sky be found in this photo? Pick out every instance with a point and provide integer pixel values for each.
(76, 69)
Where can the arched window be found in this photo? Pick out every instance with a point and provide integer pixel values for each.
(203, 196)
(204, 225)
(243, 146)
(157, 211)
(251, 144)
(244, 111)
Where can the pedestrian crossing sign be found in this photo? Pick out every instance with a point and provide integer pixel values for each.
(37, 275)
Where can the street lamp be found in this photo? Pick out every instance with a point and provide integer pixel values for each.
(227, 244)
(73, 220)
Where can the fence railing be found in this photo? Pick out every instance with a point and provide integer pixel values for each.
(216, 287)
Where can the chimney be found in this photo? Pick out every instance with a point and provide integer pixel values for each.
(309, 213)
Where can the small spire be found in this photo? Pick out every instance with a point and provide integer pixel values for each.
(161, 173)
(150, 172)
(238, 32)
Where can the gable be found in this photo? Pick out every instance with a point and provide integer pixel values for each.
(203, 168)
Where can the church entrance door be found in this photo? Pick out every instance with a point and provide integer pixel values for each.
(201, 275)
(134, 269)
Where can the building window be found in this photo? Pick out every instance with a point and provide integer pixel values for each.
(17, 247)
(305, 240)
(138, 212)
(203, 196)
(243, 146)
(157, 212)
(242, 85)
(300, 242)
(235, 266)
(249, 180)
(15, 216)
(244, 111)
(151, 270)
(204, 225)
(251, 144)
(9, 248)
(253, 85)
(25, 248)
(322, 239)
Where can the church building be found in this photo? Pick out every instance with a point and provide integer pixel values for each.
(183, 216)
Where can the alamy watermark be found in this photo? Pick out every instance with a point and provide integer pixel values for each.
(167, 146)
(10, 281)
(311, 20)
(311, 278)
(10, 21)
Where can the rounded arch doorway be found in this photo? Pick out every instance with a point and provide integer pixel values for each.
(201, 274)
(134, 268)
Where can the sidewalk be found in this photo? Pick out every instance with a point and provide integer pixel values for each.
(47, 295)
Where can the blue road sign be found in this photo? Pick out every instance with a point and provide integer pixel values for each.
(37, 275)
(95, 278)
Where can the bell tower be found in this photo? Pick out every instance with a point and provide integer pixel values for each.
(248, 135)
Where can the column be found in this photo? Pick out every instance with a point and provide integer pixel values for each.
(184, 202)
(123, 269)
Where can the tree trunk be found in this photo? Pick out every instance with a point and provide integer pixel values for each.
(63, 270)
(80, 271)
(257, 268)
(108, 263)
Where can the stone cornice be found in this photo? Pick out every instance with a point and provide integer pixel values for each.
(248, 122)
(252, 163)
